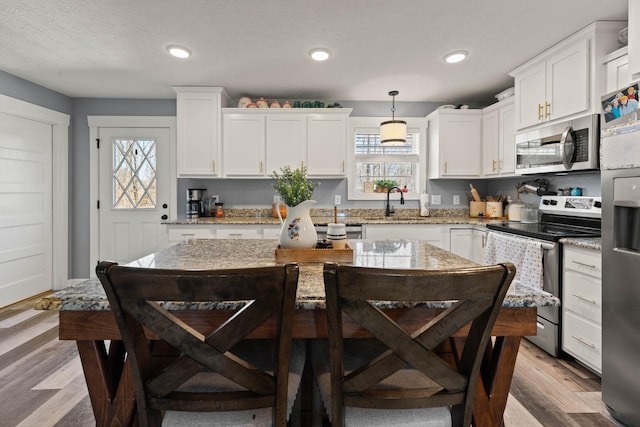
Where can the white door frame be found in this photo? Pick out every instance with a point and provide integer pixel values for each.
(95, 123)
(60, 179)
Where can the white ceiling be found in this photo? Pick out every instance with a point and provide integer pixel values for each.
(116, 48)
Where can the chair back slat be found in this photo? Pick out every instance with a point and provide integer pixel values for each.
(137, 297)
(473, 296)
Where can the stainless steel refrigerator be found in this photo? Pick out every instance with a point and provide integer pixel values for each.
(620, 149)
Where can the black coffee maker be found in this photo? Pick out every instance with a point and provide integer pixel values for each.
(195, 202)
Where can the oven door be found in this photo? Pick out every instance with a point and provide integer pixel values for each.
(548, 323)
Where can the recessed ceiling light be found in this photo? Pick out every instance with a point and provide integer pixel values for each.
(320, 54)
(179, 51)
(456, 56)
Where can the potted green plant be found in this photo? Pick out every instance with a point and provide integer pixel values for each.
(383, 185)
(295, 191)
(292, 185)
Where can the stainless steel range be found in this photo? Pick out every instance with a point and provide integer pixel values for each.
(562, 217)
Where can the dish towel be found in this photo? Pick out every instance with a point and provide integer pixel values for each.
(525, 254)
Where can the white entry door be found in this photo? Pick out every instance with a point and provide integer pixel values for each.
(134, 192)
(25, 208)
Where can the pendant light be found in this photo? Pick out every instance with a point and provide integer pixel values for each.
(393, 132)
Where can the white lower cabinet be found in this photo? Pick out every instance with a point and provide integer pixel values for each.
(479, 244)
(238, 232)
(469, 243)
(462, 242)
(437, 235)
(582, 306)
(271, 232)
(182, 233)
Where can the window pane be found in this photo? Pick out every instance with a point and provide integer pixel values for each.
(367, 141)
(134, 173)
(404, 173)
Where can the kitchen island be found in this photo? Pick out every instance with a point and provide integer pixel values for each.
(85, 316)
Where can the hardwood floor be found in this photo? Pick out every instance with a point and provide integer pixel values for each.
(42, 384)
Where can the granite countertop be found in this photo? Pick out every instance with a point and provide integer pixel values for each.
(322, 216)
(216, 254)
(587, 243)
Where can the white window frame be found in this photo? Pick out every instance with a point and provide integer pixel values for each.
(419, 123)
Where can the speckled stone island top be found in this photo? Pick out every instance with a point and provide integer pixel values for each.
(216, 254)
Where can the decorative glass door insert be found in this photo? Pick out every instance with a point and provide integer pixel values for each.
(134, 173)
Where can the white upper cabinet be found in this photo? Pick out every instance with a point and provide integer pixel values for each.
(243, 151)
(455, 140)
(199, 131)
(634, 41)
(498, 139)
(256, 142)
(326, 144)
(618, 75)
(286, 136)
(566, 80)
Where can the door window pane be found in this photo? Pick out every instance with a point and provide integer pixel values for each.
(134, 173)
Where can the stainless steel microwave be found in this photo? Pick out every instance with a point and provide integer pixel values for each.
(560, 147)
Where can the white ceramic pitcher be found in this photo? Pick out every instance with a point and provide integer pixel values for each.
(297, 229)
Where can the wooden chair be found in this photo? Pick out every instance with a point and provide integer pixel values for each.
(220, 378)
(396, 378)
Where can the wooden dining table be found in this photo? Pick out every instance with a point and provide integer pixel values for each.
(85, 316)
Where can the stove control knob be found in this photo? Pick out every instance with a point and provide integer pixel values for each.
(554, 202)
(597, 205)
(545, 202)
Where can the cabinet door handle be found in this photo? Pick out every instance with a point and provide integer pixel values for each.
(584, 264)
(260, 166)
(302, 164)
(539, 111)
(547, 110)
(213, 166)
(343, 166)
(493, 165)
(445, 168)
(588, 344)
(590, 301)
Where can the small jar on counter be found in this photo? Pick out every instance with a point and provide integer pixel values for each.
(219, 210)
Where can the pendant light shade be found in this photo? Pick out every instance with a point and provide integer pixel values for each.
(393, 132)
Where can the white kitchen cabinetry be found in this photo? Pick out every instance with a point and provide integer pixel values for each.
(455, 140)
(238, 232)
(286, 134)
(244, 145)
(462, 242)
(582, 306)
(479, 243)
(498, 139)
(567, 79)
(271, 232)
(634, 40)
(257, 142)
(618, 76)
(198, 111)
(469, 243)
(183, 233)
(437, 235)
(327, 144)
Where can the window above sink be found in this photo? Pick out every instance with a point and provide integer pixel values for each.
(369, 161)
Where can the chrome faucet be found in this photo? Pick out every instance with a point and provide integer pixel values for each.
(389, 211)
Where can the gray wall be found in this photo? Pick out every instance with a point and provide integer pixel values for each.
(79, 163)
